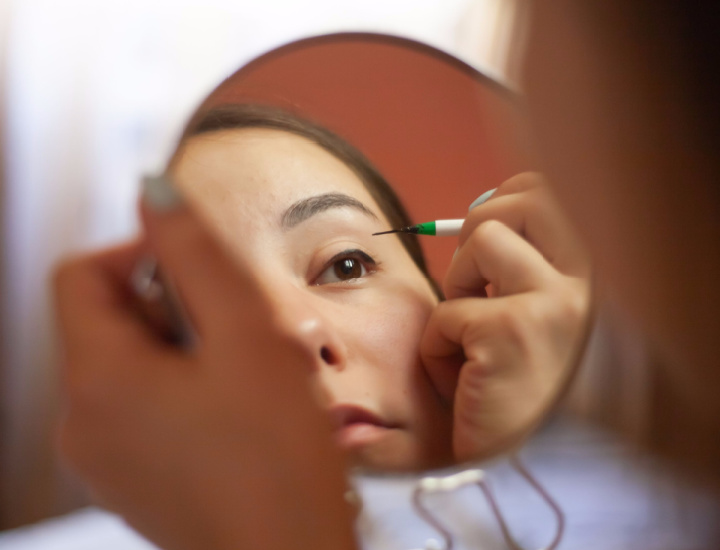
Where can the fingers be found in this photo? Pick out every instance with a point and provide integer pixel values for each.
(93, 301)
(495, 254)
(204, 276)
(468, 333)
(473, 335)
(107, 347)
(519, 183)
(502, 362)
(524, 204)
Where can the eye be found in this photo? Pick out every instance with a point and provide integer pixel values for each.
(346, 266)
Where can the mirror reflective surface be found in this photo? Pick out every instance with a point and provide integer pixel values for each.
(294, 160)
(437, 129)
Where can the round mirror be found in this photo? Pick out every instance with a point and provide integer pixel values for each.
(319, 133)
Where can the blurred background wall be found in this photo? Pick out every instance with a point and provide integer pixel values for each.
(92, 95)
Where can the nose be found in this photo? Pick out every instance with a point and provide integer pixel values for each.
(307, 324)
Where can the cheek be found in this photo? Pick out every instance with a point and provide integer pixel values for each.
(393, 329)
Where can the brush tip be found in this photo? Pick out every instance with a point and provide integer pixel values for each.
(411, 229)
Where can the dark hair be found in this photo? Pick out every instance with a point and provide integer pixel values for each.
(238, 116)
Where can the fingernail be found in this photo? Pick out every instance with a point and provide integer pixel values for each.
(482, 198)
(159, 193)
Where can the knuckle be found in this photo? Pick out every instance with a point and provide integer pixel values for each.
(473, 219)
(483, 235)
(537, 312)
(516, 324)
(523, 181)
(523, 321)
(572, 303)
(477, 226)
(479, 364)
(557, 317)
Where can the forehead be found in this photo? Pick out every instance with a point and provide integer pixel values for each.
(262, 169)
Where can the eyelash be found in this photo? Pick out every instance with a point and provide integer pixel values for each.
(367, 264)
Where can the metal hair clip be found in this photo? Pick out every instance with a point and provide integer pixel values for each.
(429, 485)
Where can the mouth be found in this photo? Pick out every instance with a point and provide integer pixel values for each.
(357, 427)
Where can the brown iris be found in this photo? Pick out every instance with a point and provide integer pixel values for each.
(348, 268)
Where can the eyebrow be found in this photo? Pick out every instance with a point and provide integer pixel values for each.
(311, 206)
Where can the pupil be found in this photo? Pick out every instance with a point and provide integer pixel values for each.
(348, 269)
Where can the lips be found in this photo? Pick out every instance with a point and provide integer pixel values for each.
(357, 427)
(346, 415)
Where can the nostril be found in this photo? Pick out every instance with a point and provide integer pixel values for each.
(327, 355)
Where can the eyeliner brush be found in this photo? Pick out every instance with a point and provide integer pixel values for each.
(437, 228)
(440, 228)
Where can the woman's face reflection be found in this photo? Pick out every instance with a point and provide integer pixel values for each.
(303, 221)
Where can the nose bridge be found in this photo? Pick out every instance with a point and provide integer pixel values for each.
(300, 317)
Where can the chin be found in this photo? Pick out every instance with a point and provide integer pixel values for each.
(398, 452)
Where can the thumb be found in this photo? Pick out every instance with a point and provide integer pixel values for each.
(193, 259)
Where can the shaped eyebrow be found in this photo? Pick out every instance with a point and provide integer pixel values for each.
(311, 206)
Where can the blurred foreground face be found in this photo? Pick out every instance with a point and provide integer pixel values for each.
(622, 146)
(622, 156)
(304, 221)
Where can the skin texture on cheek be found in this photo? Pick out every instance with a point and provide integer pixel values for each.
(390, 343)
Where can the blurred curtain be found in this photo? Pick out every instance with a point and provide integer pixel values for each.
(93, 95)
